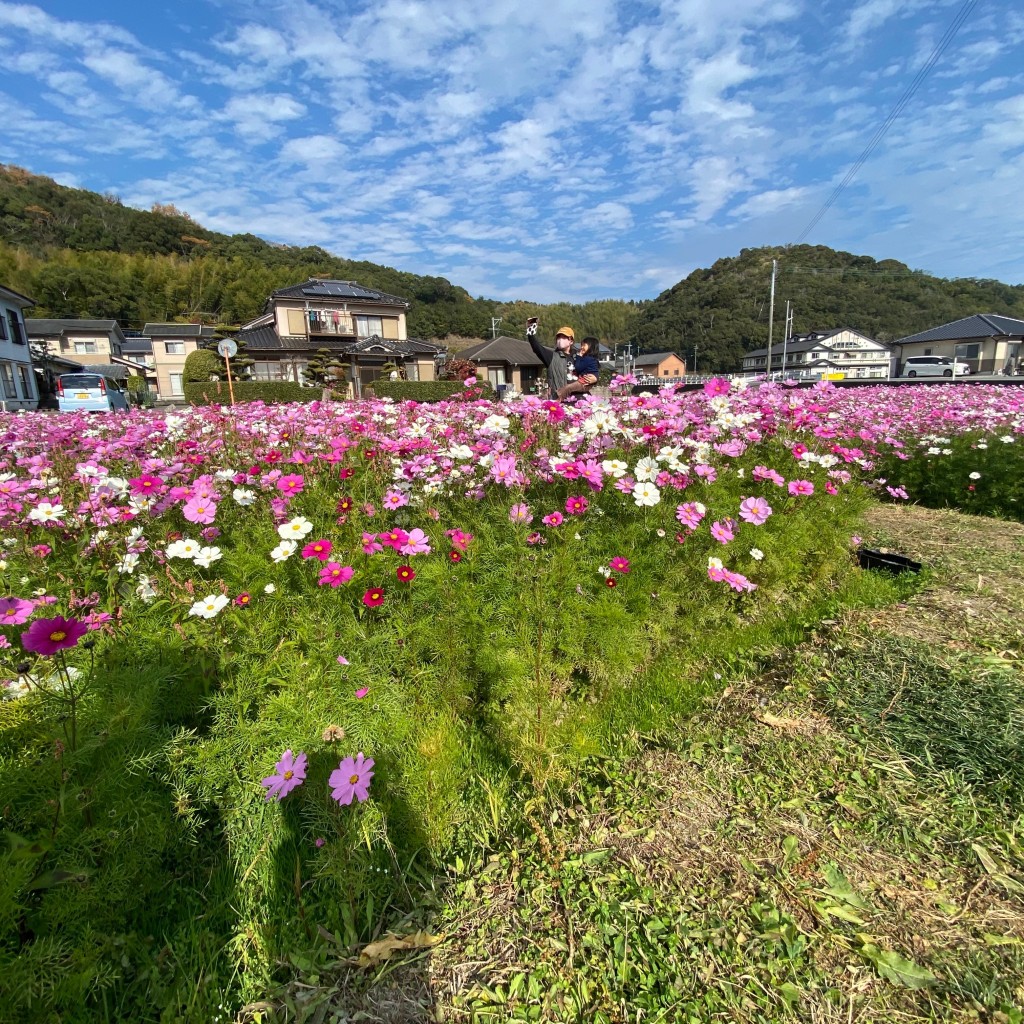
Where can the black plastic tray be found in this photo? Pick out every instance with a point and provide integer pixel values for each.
(886, 561)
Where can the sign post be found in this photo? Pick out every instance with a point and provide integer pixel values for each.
(228, 348)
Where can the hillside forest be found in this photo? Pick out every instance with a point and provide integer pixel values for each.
(82, 254)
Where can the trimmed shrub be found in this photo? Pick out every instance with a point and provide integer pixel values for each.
(426, 390)
(273, 392)
(201, 366)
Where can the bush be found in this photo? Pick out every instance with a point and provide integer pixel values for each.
(202, 365)
(273, 392)
(426, 390)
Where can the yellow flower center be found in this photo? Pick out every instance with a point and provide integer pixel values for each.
(57, 636)
(288, 775)
(353, 779)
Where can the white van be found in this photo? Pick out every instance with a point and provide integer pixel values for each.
(89, 392)
(933, 366)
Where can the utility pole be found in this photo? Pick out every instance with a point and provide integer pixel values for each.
(695, 360)
(785, 339)
(771, 319)
(495, 320)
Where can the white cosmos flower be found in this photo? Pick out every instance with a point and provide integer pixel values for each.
(209, 606)
(45, 512)
(646, 494)
(615, 468)
(205, 557)
(756, 554)
(183, 548)
(269, 588)
(715, 563)
(128, 564)
(145, 589)
(647, 469)
(284, 550)
(974, 476)
(243, 496)
(295, 529)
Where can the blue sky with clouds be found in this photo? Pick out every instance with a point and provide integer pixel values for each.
(543, 149)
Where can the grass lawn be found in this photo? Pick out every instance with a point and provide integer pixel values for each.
(835, 835)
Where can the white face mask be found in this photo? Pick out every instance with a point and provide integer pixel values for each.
(562, 343)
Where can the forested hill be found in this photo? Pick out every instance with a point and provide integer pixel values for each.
(723, 310)
(82, 254)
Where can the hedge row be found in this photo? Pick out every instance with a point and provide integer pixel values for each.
(272, 392)
(425, 390)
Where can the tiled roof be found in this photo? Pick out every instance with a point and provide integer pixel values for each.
(807, 343)
(314, 288)
(259, 339)
(385, 346)
(43, 328)
(106, 370)
(137, 346)
(981, 325)
(504, 349)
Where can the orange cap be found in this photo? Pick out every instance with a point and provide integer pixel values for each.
(567, 331)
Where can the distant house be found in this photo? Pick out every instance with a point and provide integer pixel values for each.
(986, 342)
(659, 364)
(170, 346)
(824, 353)
(18, 386)
(75, 339)
(137, 356)
(365, 329)
(506, 361)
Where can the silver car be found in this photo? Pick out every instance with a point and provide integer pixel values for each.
(89, 392)
(934, 366)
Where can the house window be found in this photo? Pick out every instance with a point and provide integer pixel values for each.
(664, 373)
(266, 371)
(16, 333)
(7, 375)
(3, 329)
(972, 351)
(368, 326)
(174, 348)
(927, 351)
(26, 380)
(412, 370)
(496, 375)
(85, 348)
(176, 389)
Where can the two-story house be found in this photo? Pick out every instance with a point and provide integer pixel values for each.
(820, 354)
(78, 340)
(18, 386)
(363, 327)
(986, 342)
(170, 345)
(659, 364)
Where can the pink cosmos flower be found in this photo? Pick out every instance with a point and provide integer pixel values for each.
(690, 514)
(553, 519)
(619, 564)
(797, 487)
(362, 692)
(97, 620)
(576, 505)
(370, 544)
(503, 469)
(243, 600)
(146, 484)
(520, 513)
(318, 549)
(459, 538)
(395, 499)
(721, 532)
(199, 510)
(290, 772)
(352, 779)
(333, 574)
(738, 581)
(535, 538)
(416, 543)
(718, 386)
(755, 510)
(48, 636)
(393, 538)
(342, 660)
(15, 610)
(291, 484)
(374, 597)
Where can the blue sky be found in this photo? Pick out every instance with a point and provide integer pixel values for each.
(542, 149)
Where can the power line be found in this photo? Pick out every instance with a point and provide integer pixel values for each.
(908, 95)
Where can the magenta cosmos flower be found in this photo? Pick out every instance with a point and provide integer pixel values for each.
(552, 519)
(318, 549)
(333, 574)
(14, 611)
(619, 564)
(352, 779)
(48, 636)
(576, 505)
(373, 598)
(797, 487)
(289, 773)
(291, 484)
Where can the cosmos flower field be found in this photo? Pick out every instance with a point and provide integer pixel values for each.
(261, 665)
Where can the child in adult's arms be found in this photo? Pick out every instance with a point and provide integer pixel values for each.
(586, 367)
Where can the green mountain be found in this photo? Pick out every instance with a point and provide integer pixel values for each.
(723, 311)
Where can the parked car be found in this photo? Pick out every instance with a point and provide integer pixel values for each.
(89, 392)
(934, 366)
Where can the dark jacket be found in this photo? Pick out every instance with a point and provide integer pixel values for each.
(586, 364)
(556, 362)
